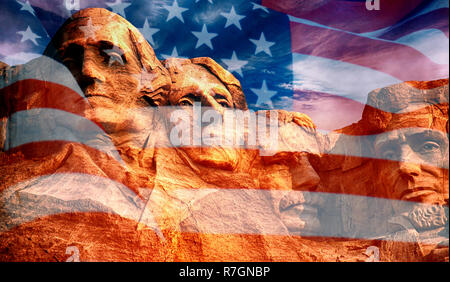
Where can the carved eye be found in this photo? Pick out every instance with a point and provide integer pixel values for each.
(222, 100)
(388, 154)
(113, 54)
(429, 147)
(70, 63)
(188, 100)
(224, 104)
(115, 58)
(185, 102)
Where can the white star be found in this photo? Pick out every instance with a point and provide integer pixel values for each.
(233, 18)
(26, 7)
(28, 34)
(115, 55)
(204, 37)
(173, 55)
(175, 11)
(119, 7)
(262, 45)
(210, 1)
(73, 5)
(148, 32)
(264, 95)
(234, 64)
(257, 6)
(89, 29)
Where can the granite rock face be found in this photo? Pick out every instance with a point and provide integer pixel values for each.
(89, 169)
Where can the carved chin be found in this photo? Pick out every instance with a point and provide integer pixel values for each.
(214, 157)
(301, 220)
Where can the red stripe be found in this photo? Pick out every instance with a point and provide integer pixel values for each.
(400, 61)
(348, 15)
(33, 94)
(44, 158)
(47, 157)
(108, 237)
(437, 19)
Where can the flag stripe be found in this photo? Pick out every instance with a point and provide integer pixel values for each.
(348, 15)
(32, 94)
(44, 69)
(44, 124)
(63, 156)
(409, 64)
(258, 214)
(437, 19)
(319, 105)
(353, 81)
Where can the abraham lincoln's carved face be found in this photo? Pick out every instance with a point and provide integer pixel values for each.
(413, 166)
(413, 161)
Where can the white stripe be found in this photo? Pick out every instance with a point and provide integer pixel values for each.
(20, 58)
(207, 211)
(338, 78)
(36, 125)
(45, 69)
(73, 192)
(438, 43)
(433, 43)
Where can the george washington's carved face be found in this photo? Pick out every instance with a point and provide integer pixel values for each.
(113, 64)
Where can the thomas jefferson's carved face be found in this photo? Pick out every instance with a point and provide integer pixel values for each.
(193, 83)
(196, 84)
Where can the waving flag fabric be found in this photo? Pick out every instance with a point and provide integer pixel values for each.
(286, 57)
(322, 60)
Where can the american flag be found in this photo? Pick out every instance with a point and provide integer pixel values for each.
(322, 59)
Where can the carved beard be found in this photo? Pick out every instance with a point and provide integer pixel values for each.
(427, 218)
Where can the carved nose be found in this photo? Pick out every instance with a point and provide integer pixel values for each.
(409, 164)
(304, 176)
(90, 70)
(409, 169)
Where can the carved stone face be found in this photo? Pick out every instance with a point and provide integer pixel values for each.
(193, 83)
(113, 64)
(297, 143)
(300, 208)
(413, 163)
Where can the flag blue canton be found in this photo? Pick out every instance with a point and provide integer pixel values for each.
(250, 40)
(23, 35)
